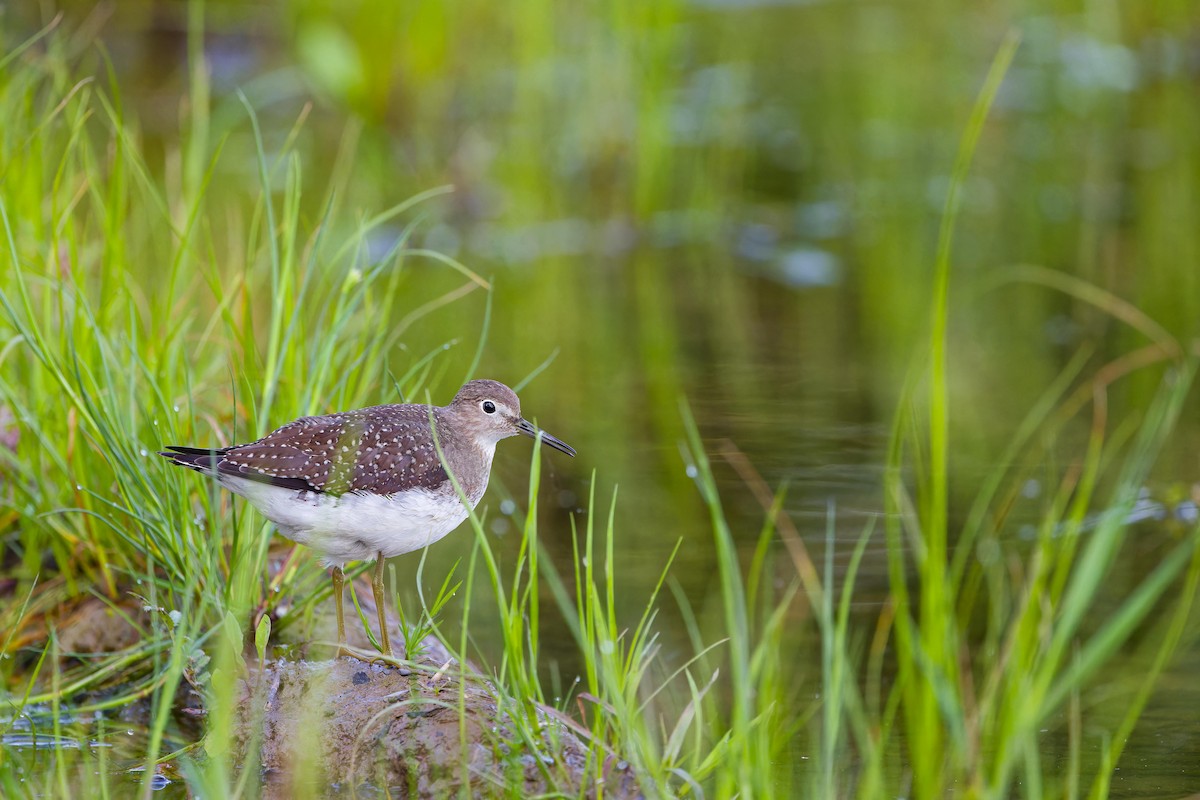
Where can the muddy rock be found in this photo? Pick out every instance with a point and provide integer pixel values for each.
(94, 626)
(350, 725)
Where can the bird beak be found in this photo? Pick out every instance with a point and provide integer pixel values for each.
(526, 427)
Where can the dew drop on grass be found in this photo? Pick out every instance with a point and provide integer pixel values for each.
(176, 407)
(144, 452)
(691, 471)
(606, 647)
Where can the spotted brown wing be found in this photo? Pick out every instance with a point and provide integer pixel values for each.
(381, 450)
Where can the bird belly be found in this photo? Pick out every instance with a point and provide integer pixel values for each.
(358, 525)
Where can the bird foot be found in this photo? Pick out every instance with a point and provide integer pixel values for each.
(375, 658)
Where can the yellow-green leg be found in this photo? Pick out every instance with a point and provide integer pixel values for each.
(381, 605)
(339, 584)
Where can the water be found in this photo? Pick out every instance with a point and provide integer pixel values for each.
(87, 750)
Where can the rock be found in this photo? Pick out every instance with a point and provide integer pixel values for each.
(349, 723)
(93, 626)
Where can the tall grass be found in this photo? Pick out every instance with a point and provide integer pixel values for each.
(259, 319)
(985, 725)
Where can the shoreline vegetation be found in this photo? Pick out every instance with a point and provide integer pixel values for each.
(140, 303)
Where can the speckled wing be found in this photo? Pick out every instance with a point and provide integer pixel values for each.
(381, 450)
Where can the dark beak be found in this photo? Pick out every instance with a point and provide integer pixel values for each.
(526, 427)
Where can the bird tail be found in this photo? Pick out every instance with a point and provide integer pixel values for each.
(196, 458)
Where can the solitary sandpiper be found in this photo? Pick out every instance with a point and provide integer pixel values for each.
(370, 484)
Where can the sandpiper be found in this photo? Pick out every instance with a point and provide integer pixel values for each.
(369, 484)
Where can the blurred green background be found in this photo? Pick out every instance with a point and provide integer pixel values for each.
(736, 203)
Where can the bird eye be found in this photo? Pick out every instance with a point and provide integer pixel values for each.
(489, 407)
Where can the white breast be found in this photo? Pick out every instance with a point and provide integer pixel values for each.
(356, 526)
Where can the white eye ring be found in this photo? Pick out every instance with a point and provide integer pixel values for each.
(488, 407)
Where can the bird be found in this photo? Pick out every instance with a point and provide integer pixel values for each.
(370, 484)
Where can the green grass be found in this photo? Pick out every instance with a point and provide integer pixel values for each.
(207, 293)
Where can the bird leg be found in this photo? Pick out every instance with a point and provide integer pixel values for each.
(339, 583)
(381, 605)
